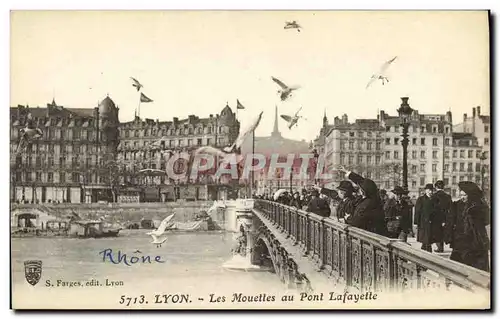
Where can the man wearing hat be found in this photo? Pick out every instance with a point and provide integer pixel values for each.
(368, 212)
(424, 211)
(443, 206)
(318, 205)
(397, 215)
(346, 204)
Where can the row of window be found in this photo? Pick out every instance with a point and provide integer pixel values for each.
(65, 134)
(412, 129)
(361, 134)
(173, 132)
(361, 145)
(176, 143)
(435, 154)
(423, 181)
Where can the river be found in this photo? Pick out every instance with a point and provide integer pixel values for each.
(192, 265)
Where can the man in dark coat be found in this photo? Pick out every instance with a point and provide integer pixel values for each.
(345, 207)
(368, 213)
(466, 228)
(296, 202)
(443, 206)
(318, 205)
(424, 211)
(397, 215)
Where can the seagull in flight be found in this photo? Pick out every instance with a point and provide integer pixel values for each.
(292, 25)
(286, 91)
(292, 120)
(235, 148)
(158, 235)
(28, 133)
(137, 84)
(381, 75)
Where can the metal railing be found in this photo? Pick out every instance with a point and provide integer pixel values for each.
(367, 261)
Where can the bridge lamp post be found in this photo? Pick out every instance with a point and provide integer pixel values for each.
(405, 112)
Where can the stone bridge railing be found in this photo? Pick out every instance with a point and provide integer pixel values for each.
(366, 261)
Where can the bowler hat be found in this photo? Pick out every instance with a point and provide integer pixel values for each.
(429, 186)
(398, 190)
(439, 184)
(382, 192)
(346, 186)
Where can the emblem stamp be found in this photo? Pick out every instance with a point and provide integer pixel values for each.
(33, 271)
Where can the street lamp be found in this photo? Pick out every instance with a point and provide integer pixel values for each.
(405, 112)
(483, 170)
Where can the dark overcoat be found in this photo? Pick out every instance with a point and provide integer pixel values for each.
(345, 207)
(424, 209)
(466, 233)
(368, 213)
(319, 206)
(442, 210)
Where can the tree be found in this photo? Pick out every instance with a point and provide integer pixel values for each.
(112, 172)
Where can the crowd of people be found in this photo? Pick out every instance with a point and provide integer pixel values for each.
(357, 201)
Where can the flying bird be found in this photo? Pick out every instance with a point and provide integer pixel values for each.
(28, 133)
(137, 84)
(158, 235)
(227, 152)
(292, 120)
(285, 91)
(381, 75)
(292, 25)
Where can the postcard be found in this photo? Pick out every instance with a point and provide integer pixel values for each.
(250, 160)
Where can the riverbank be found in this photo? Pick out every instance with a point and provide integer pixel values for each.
(126, 212)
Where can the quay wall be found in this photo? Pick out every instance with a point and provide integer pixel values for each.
(128, 212)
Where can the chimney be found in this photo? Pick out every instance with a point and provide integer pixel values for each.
(473, 112)
(344, 119)
(478, 111)
(465, 117)
(176, 119)
(449, 117)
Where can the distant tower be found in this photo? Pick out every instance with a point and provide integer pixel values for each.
(276, 131)
(325, 120)
(108, 124)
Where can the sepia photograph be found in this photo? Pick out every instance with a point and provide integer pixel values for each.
(231, 159)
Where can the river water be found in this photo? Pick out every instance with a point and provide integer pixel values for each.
(192, 265)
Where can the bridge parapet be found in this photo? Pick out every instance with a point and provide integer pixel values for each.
(365, 261)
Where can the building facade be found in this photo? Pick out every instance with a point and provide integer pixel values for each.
(373, 148)
(480, 127)
(67, 163)
(356, 146)
(87, 155)
(147, 144)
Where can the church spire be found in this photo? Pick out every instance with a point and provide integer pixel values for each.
(325, 119)
(276, 132)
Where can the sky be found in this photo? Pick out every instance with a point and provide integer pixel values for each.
(194, 62)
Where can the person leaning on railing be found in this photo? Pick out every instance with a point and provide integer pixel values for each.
(368, 213)
(318, 205)
(346, 202)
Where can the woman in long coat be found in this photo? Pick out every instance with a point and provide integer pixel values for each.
(466, 228)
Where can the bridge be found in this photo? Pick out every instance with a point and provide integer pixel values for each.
(310, 252)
